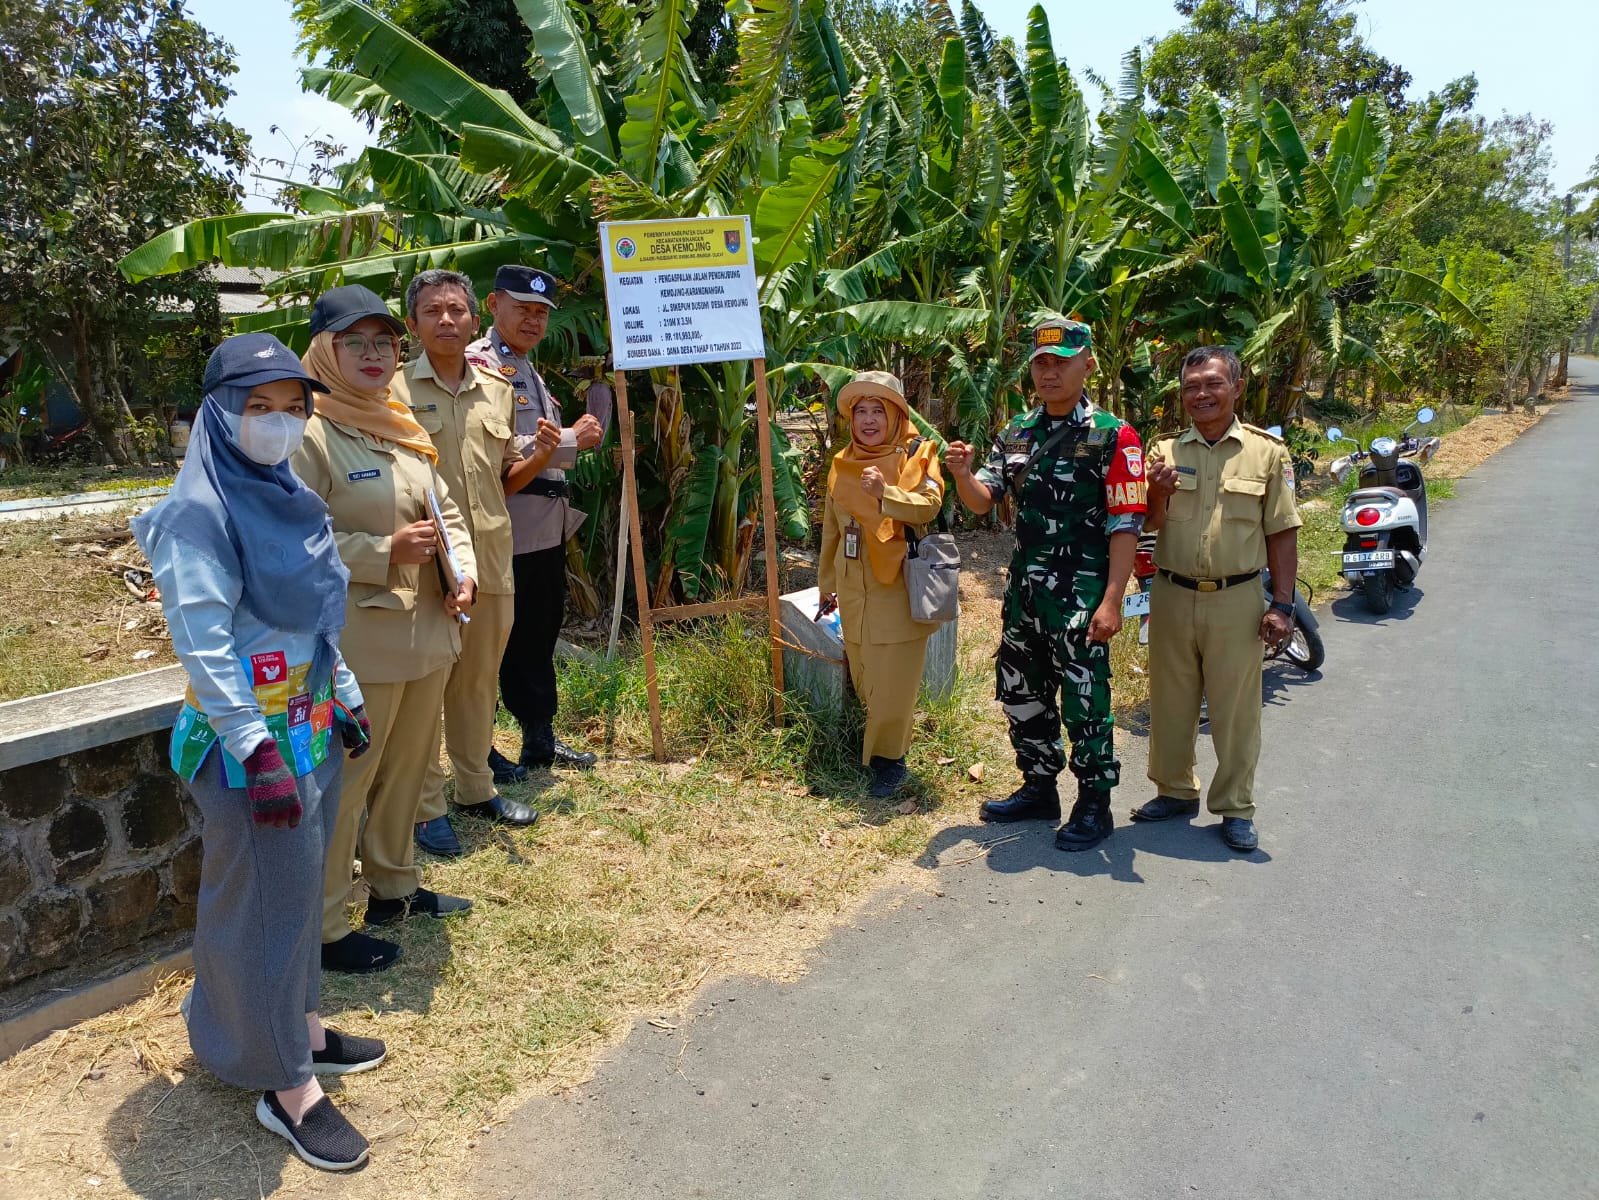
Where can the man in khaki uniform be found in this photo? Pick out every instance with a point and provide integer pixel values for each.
(467, 414)
(1221, 495)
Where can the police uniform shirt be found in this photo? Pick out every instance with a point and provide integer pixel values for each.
(1230, 498)
(537, 522)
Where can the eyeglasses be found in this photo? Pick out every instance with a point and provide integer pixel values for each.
(358, 344)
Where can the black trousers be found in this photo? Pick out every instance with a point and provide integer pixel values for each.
(527, 669)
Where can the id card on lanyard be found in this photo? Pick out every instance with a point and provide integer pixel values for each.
(852, 541)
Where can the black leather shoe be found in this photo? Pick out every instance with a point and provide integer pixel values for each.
(1089, 824)
(1035, 800)
(501, 811)
(438, 838)
(358, 954)
(1163, 808)
(541, 750)
(888, 776)
(420, 903)
(1239, 833)
(505, 771)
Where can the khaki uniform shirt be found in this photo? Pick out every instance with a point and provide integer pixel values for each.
(870, 612)
(1230, 497)
(471, 429)
(537, 522)
(396, 629)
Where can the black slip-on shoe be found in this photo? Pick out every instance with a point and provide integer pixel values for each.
(347, 1054)
(1163, 808)
(1239, 833)
(324, 1138)
(501, 811)
(505, 771)
(358, 954)
(1035, 800)
(420, 903)
(888, 776)
(438, 838)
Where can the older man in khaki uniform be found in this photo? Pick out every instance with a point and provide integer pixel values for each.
(467, 414)
(1221, 495)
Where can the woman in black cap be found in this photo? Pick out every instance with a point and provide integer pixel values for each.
(253, 591)
(369, 459)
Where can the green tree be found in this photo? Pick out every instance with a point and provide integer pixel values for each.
(1305, 53)
(110, 130)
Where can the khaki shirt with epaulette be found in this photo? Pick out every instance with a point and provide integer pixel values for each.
(471, 430)
(1230, 498)
(396, 629)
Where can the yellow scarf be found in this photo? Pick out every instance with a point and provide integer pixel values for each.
(885, 537)
(376, 413)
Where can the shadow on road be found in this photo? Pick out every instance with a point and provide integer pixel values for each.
(1280, 681)
(1030, 845)
(1352, 607)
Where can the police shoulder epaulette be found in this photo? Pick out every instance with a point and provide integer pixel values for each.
(1265, 433)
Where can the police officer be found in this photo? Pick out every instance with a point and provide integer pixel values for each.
(466, 412)
(541, 518)
(1221, 495)
(1078, 477)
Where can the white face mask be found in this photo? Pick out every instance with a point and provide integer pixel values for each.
(272, 438)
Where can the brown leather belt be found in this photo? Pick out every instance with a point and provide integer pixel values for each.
(1208, 585)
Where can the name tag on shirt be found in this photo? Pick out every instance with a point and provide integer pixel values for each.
(416, 408)
(1187, 471)
(357, 476)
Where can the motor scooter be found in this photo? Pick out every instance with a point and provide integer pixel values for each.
(1385, 518)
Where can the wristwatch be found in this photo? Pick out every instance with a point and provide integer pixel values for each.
(1283, 607)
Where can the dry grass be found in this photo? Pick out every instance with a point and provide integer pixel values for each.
(24, 481)
(64, 609)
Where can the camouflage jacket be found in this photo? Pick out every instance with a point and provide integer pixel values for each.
(1089, 486)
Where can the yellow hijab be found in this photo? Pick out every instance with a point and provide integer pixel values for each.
(376, 413)
(899, 465)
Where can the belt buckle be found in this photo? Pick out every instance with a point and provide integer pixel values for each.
(1207, 585)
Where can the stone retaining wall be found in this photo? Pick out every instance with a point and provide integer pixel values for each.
(99, 843)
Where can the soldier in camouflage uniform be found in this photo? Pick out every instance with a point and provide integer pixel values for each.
(1078, 477)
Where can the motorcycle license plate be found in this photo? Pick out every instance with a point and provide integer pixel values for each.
(1365, 560)
(1136, 605)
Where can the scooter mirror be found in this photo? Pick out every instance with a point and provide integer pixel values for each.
(1276, 431)
(1425, 416)
(1335, 434)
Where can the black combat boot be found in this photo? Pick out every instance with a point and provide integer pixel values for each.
(1035, 800)
(1090, 822)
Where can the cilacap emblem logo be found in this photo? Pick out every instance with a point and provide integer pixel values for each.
(730, 239)
(626, 248)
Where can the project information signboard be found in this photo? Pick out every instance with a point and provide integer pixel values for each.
(681, 291)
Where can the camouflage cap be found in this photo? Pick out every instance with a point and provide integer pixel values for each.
(1064, 339)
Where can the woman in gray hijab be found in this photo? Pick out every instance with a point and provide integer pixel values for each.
(253, 591)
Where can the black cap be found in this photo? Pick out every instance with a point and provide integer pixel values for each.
(526, 283)
(338, 308)
(252, 358)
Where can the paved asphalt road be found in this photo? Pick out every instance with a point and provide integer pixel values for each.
(1397, 997)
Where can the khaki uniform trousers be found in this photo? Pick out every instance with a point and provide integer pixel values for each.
(471, 698)
(383, 786)
(1205, 644)
(887, 677)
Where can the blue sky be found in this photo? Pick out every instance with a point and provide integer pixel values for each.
(1537, 56)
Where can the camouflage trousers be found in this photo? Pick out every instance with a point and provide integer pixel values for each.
(1044, 653)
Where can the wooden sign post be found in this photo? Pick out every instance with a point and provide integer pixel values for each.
(684, 291)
